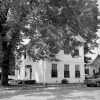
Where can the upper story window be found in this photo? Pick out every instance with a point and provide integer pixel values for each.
(54, 70)
(75, 53)
(55, 51)
(66, 51)
(77, 71)
(66, 71)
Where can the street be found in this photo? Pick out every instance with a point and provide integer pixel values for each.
(52, 93)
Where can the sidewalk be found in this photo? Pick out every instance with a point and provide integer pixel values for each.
(35, 86)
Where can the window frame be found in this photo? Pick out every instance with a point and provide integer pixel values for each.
(66, 52)
(66, 71)
(25, 56)
(77, 71)
(54, 71)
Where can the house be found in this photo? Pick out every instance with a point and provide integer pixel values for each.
(67, 67)
(93, 67)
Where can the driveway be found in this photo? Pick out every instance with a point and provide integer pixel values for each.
(52, 93)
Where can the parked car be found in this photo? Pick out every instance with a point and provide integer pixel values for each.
(97, 75)
(87, 76)
(15, 82)
(92, 81)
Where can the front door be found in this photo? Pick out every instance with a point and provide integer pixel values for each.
(28, 72)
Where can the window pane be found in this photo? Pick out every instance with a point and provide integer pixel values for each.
(66, 67)
(66, 51)
(66, 74)
(54, 66)
(54, 70)
(77, 68)
(25, 56)
(93, 71)
(53, 73)
(77, 74)
(77, 71)
(87, 71)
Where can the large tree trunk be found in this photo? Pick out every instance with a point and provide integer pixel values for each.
(4, 75)
(5, 64)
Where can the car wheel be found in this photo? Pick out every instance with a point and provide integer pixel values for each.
(98, 84)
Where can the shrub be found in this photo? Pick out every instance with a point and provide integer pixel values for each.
(30, 81)
(64, 81)
(26, 82)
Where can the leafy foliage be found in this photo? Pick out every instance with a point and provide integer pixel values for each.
(52, 23)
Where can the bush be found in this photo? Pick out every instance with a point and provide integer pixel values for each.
(26, 82)
(64, 81)
(30, 81)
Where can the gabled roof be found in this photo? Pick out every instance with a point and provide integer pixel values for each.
(79, 38)
(96, 60)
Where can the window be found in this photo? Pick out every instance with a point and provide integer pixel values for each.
(93, 71)
(77, 71)
(66, 71)
(54, 70)
(87, 71)
(75, 53)
(66, 51)
(25, 56)
(54, 51)
(99, 70)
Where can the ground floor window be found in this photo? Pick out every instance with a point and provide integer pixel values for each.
(87, 71)
(77, 71)
(93, 71)
(54, 70)
(99, 70)
(66, 71)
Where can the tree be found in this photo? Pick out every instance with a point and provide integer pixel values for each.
(50, 25)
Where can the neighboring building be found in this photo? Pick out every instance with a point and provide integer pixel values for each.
(68, 68)
(93, 67)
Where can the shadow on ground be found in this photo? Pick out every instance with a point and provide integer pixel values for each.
(51, 93)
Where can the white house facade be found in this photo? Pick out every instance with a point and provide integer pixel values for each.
(68, 68)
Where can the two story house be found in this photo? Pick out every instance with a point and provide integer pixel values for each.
(42, 71)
